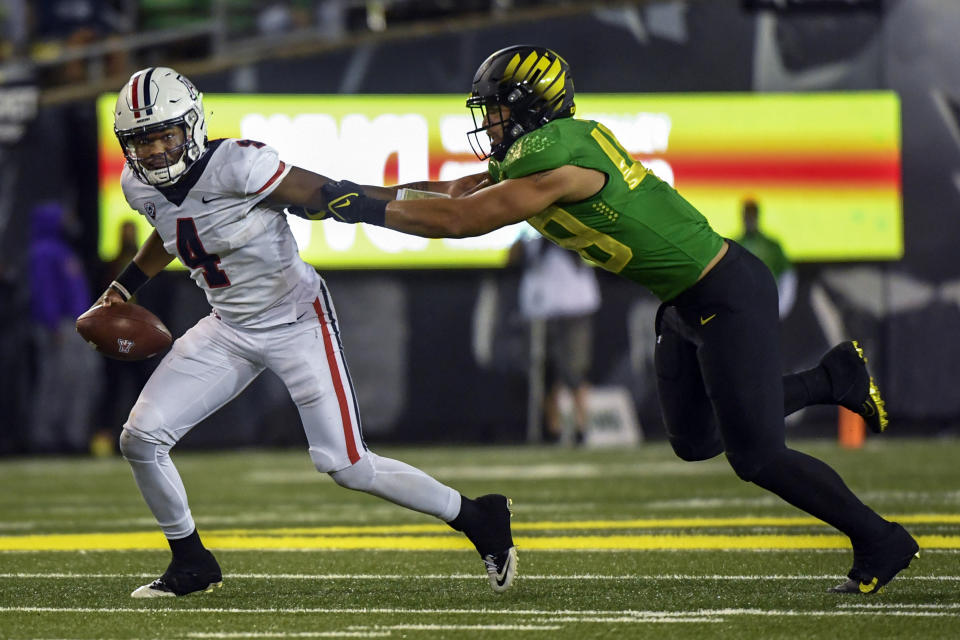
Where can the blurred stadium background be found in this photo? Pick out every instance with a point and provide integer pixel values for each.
(414, 332)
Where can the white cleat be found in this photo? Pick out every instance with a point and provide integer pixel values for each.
(159, 589)
(501, 569)
(180, 580)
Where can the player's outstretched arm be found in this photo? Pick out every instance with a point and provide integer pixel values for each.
(474, 214)
(300, 192)
(477, 213)
(453, 188)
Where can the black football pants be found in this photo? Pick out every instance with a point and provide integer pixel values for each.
(720, 386)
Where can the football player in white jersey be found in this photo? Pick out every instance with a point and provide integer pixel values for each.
(217, 205)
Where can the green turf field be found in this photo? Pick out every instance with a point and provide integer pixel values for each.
(617, 543)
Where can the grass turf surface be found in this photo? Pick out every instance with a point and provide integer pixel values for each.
(612, 543)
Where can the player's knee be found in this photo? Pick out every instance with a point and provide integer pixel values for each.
(135, 448)
(747, 465)
(696, 450)
(359, 476)
(144, 418)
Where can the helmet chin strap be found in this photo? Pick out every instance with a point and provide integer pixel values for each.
(168, 174)
(499, 151)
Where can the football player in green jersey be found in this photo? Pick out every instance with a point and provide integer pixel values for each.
(718, 344)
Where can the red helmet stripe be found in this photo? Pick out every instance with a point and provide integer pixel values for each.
(135, 98)
(146, 90)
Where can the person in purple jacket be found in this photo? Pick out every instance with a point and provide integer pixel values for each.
(68, 372)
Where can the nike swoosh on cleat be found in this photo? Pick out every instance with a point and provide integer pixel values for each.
(503, 579)
(502, 575)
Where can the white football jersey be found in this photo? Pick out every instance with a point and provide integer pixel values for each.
(242, 254)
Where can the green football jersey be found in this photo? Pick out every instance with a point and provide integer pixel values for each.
(637, 226)
(768, 250)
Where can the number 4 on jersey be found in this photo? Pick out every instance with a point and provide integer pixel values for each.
(195, 256)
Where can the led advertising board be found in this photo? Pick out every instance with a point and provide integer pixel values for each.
(825, 168)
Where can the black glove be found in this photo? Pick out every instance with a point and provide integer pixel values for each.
(347, 203)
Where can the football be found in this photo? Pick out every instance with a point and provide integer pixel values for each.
(124, 331)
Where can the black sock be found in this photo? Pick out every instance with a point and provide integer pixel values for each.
(469, 514)
(813, 486)
(806, 388)
(188, 549)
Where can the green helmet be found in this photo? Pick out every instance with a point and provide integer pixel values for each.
(533, 82)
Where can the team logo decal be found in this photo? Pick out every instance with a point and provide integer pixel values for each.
(192, 90)
(151, 210)
(124, 345)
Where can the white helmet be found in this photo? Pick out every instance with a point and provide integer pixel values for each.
(154, 99)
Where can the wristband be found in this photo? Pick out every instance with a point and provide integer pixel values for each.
(130, 279)
(372, 211)
(417, 194)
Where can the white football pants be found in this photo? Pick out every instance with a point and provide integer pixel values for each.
(213, 362)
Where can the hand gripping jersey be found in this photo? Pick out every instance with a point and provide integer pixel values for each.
(241, 253)
(637, 226)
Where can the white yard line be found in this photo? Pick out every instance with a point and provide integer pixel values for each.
(379, 631)
(291, 634)
(952, 605)
(468, 576)
(626, 616)
(471, 627)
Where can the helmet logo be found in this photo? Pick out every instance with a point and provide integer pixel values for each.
(520, 72)
(192, 90)
(545, 77)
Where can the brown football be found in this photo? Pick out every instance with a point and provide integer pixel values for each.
(124, 331)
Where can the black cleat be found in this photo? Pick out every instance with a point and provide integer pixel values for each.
(853, 386)
(874, 568)
(180, 580)
(494, 541)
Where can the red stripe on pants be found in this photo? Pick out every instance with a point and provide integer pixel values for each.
(337, 384)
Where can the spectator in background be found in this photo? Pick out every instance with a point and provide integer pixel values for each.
(559, 290)
(331, 19)
(128, 248)
(771, 254)
(68, 371)
(67, 26)
(14, 34)
(277, 17)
